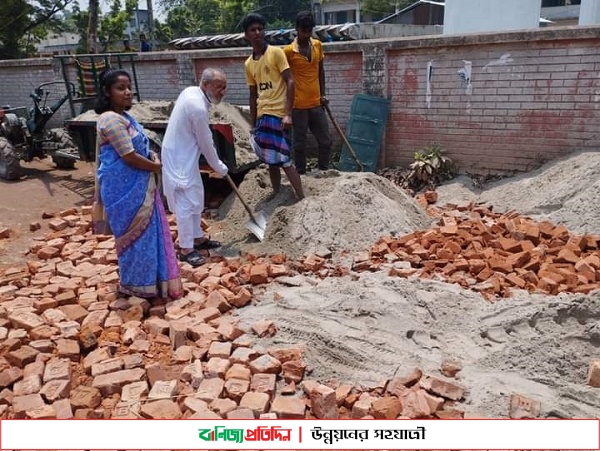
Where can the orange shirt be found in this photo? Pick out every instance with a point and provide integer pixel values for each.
(307, 90)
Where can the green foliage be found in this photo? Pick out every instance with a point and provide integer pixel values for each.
(113, 24)
(429, 169)
(204, 17)
(77, 22)
(24, 23)
(192, 18)
(282, 12)
(232, 13)
(279, 24)
(162, 32)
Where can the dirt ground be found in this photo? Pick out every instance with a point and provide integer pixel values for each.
(42, 188)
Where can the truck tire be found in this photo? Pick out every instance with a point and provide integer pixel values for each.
(10, 167)
(64, 142)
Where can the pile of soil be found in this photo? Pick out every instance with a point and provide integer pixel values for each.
(342, 213)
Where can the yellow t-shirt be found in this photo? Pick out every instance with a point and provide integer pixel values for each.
(307, 89)
(265, 74)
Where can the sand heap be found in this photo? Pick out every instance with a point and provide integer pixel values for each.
(238, 118)
(341, 212)
(147, 111)
(535, 345)
(155, 114)
(565, 191)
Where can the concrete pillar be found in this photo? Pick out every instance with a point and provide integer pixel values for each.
(589, 14)
(186, 71)
(468, 16)
(374, 70)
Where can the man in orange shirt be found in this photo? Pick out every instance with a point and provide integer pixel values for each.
(305, 57)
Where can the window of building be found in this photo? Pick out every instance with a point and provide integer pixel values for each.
(340, 17)
(551, 3)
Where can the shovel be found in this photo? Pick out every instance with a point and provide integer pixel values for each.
(361, 168)
(257, 223)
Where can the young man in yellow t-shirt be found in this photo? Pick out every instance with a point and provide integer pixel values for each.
(305, 57)
(271, 102)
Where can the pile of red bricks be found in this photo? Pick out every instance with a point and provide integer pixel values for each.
(491, 253)
(71, 346)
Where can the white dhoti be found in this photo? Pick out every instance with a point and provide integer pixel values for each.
(188, 136)
(188, 205)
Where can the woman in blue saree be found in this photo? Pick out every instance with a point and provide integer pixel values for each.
(127, 174)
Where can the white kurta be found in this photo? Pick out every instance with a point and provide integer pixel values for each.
(188, 136)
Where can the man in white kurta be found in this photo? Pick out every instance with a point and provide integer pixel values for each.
(188, 136)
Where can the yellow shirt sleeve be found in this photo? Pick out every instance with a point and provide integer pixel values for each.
(249, 77)
(280, 60)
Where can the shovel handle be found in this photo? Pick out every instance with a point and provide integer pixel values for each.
(237, 192)
(341, 133)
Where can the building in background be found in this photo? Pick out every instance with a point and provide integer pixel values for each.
(426, 12)
(138, 24)
(338, 12)
(421, 12)
(58, 44)
(561, 12)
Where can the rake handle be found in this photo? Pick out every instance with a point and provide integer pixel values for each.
(236, 191)
(341, 133)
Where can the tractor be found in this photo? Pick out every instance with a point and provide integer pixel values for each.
(23, 134)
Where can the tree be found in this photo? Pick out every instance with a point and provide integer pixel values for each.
(92, 31)
(22, 22)
(113, 24)
(194, 18)
(150, 8)
(77, 22)
(232, 13)
(279, 12)
(204, 17)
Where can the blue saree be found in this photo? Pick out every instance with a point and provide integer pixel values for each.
(147, 263)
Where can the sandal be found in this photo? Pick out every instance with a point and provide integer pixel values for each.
(207, 244)
(193, 258)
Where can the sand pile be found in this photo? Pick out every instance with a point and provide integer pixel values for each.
(238, 118)
(365, 330)
(565, 191)
(146, 111)
(376, 327)
(155, 115)
(342, 212)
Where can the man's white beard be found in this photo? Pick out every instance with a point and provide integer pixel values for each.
(213, 100)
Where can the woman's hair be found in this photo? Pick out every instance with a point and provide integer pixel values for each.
(108, 77)
(251, 19)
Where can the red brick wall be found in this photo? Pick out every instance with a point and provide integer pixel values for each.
(529, 101)
(534, 95)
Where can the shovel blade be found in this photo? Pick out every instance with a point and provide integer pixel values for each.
(257, 225)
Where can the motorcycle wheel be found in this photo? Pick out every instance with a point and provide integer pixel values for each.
(10, 167)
